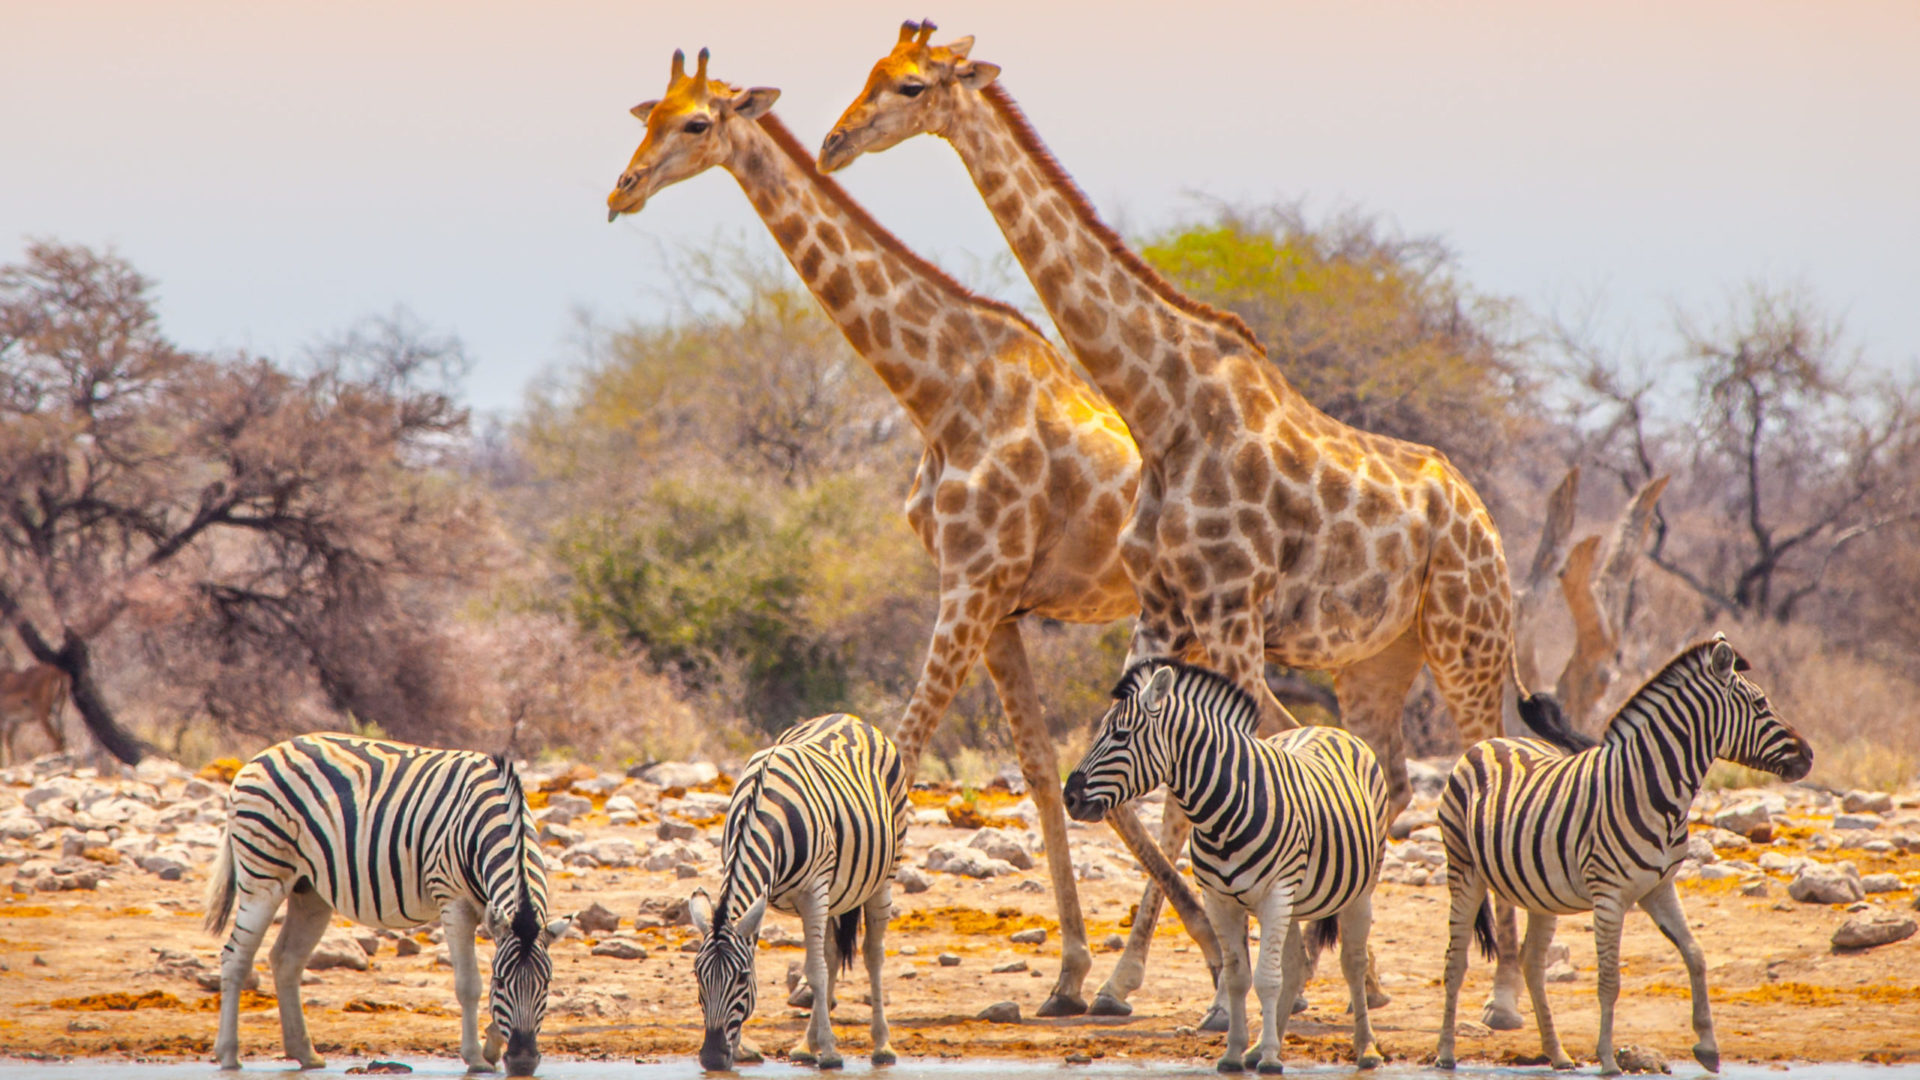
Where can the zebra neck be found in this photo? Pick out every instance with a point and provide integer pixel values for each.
(1664, 748)
(493, 852)
(1198, 750)
(746, 881)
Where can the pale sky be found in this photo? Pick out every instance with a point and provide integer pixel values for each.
(283, 169)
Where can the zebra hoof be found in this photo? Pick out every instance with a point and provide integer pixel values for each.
(1265, 1066)
(1709, 1058)
(1215, 1020)
(883, 1057)
(1230, 1065)
(832, 1061)
(1060, 1004)
(1501, 1017)
(1108, 1005)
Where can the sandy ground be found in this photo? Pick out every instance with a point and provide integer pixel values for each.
(1780, 992)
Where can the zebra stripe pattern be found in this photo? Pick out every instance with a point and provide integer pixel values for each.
(1287, 829)
(388, 835)
(815, 826)
(1602, 828)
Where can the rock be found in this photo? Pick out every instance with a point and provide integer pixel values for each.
(406, 946)
(1095, 868)
(1001, 1012)
(620, 949)
(1428, 778)
(1866, 930)
(605, 852)
(1011, 967)
(1113, 943)
(198, 789)
(1856, 821)
(673, 854)
(952, 858)
(369, 941)
(1879, 883)
(1409, 820)
(1726, 840)
(1427, 834)
(1871, 802)
(1819, 883)
(948, 959)
(1077, 1058)
(929, 816)
(1790, 864)
(15, 825)
(1034, 936)
(912, 880)
(169, 865)
(1747, 816)
(1002, 845)
(85, 1023)
(337, 949)
(696, 805)
(669, 829)
(1756, 887)
(621, 804)
(1700, 850)
(680, 774)
(686, 870)
(556, 833)
(563, 808)
(597, 920)
(1717, 873)
(1471, 1029)
(1640, 1059)
(1763, 833)
(670, 911)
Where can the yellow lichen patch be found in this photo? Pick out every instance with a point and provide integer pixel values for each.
(959, 920)
(1718, 887)
(1798, 994)
(24, 911)
(249, 999)
(721, 784)
(105, 856)
(368, 1005)
(136, 912)
(220, 770)
(433, 1010)
(119, 1001)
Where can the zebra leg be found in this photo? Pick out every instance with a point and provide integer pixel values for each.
(1502, 1010)
(1533, 962)
(817, 1047)
(1663, 904)
(1608, 916)
(1281, 974)
(1356, 963)
(307, 918)
(1465, 894)
(878, 909)
(1007, 664)
(250, 925)
(1229, 920)
(1130, 972)
(459, 920)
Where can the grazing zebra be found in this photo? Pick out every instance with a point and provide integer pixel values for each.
(387, 835)
(1601, 828)
(1288, 829)
(816, 823)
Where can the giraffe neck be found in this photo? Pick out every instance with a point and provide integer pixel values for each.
(1135, 334)
(921, 331)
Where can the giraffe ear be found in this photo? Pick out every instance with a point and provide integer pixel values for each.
(961, 47)
(643, 110)
(975, 74)
(751, 104)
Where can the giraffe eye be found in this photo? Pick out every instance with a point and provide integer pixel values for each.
(911, 90)
(697, 125)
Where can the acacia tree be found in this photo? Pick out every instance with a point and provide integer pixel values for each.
(262, 523)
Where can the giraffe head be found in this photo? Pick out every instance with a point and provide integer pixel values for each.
(911, 90)
(689, 131)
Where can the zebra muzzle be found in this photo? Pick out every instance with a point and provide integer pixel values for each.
(1080, 806)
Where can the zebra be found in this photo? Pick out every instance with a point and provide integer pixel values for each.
(388, 835)
(1287, 829)
(814, 828)
(1574, 824)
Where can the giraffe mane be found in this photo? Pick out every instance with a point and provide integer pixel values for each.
(804, 158)
(1056, 174)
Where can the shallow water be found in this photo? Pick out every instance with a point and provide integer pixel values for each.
(688, 1069)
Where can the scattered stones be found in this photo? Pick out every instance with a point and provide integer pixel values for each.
(368, 940)
(85, 1023)
(338, 949)
(1559, 965)
(620, 949)
(1866, 930)
(1640, 1059)
(948, 959)
(912, 880)
(605, 852)
(1002, 845)
(1471, 1029)
(670, 911)
(1010, 968)
(668, 829)
(1856, 821)
(1819, 883)
(1870, 802)
(1077, 1058)
(554, 833)
(563, 808)
(1113, 943)
(1033, 936)
(1001, 1012)
(1409, 820)
(1756, 887)
(1700, 850)
(680, 774)
(1748, 817)
(597, 920)
(406, 946)
(952, 858)
(1879, 883)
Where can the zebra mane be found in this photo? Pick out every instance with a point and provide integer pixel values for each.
(526, 921)
(757, 778)
(1237, 706)
(1671, 671)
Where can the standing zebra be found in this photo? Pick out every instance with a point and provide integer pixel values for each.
(1602, 828)
(1287, 829)
(815, 826)
(387, 835)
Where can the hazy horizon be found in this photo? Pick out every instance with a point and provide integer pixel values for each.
(284, 170)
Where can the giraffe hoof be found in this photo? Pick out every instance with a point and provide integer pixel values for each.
(1269, 1068)
(799, 1056)
(883, 1057)
(1500, 1017)
(832, 1061)
(1378, 999)
(1215, 1020)
(1443, 1063)
(1108, 1005)
(1230, 1064)
(1709, 1058)
(1369, 1060)
(1063, 1005)
(318, 1062)
(1300, 1005)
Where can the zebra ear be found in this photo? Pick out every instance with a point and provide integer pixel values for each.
(1721, 659)
(1157, 688)
(748, 925)
(700, 910)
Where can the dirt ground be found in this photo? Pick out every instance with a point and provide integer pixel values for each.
(1779, 990)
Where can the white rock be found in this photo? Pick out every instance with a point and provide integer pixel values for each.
(1000, 844)
(951, 858)
(911, 880)
(1875, 928)
(563, 808)
(673, 854)
(1826, 884)
(1748, 815)
(605, 852)
(338, 948)
(1873, 802)
(929, 816)
(1856, 821)
(1879, 883)
(684, 774)
(621, 804)
(1700, 850)
(697, 805)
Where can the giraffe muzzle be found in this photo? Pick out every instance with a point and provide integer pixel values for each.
(833, 152)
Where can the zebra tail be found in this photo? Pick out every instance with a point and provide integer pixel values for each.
(846, 936)
(1543, 714)
(223, 887)
(1323, 934)
(1483, 930)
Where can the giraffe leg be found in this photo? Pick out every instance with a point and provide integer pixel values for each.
(1039, 763)
(958, 638)
(250, 925)
(1663, 904)
(306, 922)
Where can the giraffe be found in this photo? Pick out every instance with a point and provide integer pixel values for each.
(1263, 528)
(1027, 472)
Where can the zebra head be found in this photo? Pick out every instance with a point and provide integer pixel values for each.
(725, 970)
(521, 971)
(1127, 758)
(1749, 732)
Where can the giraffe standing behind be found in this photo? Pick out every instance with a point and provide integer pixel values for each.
(1027, 473)
(1264, 529)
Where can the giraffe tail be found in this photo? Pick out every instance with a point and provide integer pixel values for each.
(1543, 714)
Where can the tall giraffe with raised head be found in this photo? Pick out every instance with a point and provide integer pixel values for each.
(1027, 473)
(1264, 529)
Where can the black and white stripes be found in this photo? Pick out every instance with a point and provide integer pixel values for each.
(389, 835)
(814, 827)
(1603, 828)
(1289, 829)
